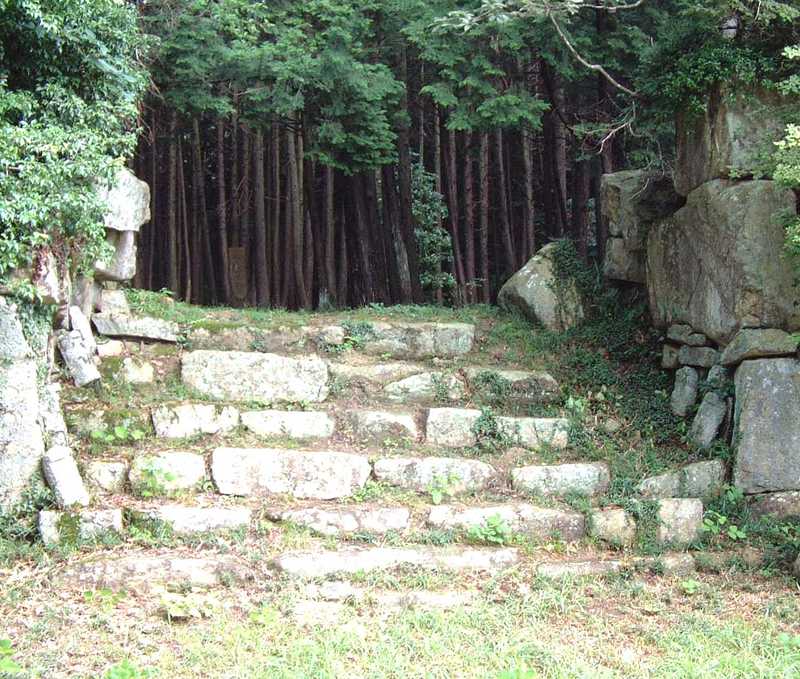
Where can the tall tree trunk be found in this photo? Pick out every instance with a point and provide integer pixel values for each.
(172, 208)
(344, 264)
(580, 197)
(186, 260)
(296, 222)
(259, 256)
(330, 237)
(505, 219)
(391, 219)
(529, 212)
(483, 240)
(198, 227)
(222, 217)
(452, 200)
(469, 221)
(364, 240)
(437, 170)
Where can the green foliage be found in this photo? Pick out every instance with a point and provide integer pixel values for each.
(491, 387)
(8, 668)
(69, 86)
(489, 434)
(119, 434)
(494, 531)
(19, 527)
(433, 241)
(127, 670)
(442, 487)
(716, 524)
(356, 336)
(154, 481)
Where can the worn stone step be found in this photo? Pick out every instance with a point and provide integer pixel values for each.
(346, 520)
(294, 424)
(585, 478)
(419, 340)
(320, 475)
(144, 571)
(377, 426)
(666, 564)
(251, 376)
(352, 560)
(186, 520)
(165, 473)
(83, 525)
(136, 327)
(520, 386)
(456, 428)
(700, 479)
(378, 374)
(452, 476)
(538, 522)
(184, 420)
(435, 385)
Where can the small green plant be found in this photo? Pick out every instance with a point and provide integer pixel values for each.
(356, 336)
(521, 672)
(7, 665)
(494, 531)
(441, 387)
(118, 434)
(443, 486)
(716, 524)
(491, 387)
(125, 670)
(106, 599)
(690, 587)
(490, 435)
(154, 480)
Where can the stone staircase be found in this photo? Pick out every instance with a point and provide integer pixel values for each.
(370, 437)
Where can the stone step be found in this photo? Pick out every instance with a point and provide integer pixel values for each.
(184, 420)
(294, 424)
(459, 428)
(166, 473)
(346, 520)
(396, 339)
(320, 475)
(252, 376)
(584, 478)
(377, 426)
(448, 475)
(84, 525)
(352, 560)
(538, 522)
(666, 564)
(188, 520)
(136, 327)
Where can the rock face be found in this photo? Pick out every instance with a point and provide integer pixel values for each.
(684, 393)
(191, 419)
(536, 292)
(538, 522)
(708, 420)
(292, 424)
(700, 357)
(700, 480)
(128, 202)
(767, 425)
(456, 428)
(421, 474)
(347, 520)
(63, 477)
(121, 266)
(758, 343)
(726, 244)
(731, 139)
(779, 505)
(248, 376)
(562, 479)
(631, 201)
(319, 475)
(137, 327)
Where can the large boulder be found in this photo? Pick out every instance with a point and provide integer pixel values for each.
(767, 425)
(733, 138)
(128, 201)
(631, 201)
(537, 292)
(717, 263)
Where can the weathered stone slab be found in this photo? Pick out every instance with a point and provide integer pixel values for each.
(666, 564)
(78, 357)
(701, 357)
(128, 202)
(352, 560)
(292, 424)
(377, 373)
(249, 376)
(111, 349)
(186, 520)
(167, 472)
(669, 357)
(375, 426)
(346, 520)
(726, 244)
(62, 475)
(561, 479)
(420, 340)
(320, 475)
(13, 345)
(191, 419)
(514, 385)
(21, 441)
(426, 386)
(51, 416)
(422, 473)
(684, 393)
(539, 522)
(767, 431)
(613, 525)
(121, 266)
(106, 477)
(536, 293)
(114, 302)
(137, 371)
(144, 572)
(780, 505)
(680, 521)
(708, 420)
(698, 480)
(85, 525)
(455, 428)
(684, 334)
(752, 343)
(137, 327)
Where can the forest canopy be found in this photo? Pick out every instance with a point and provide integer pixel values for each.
(355, 151)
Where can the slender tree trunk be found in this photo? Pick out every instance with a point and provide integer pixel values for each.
(344, 267)
(452, 199)
(198, 282)
(580, 197)
(502, 190)
(469, 221)
(187, 252)
(296, 220)
(483, 231)
(259, 257)
(391, 219)
(529, 213)
(437, 170)
(172, 208)
(330, 237)
(364, 240)
(154, 186)
(222, 217)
